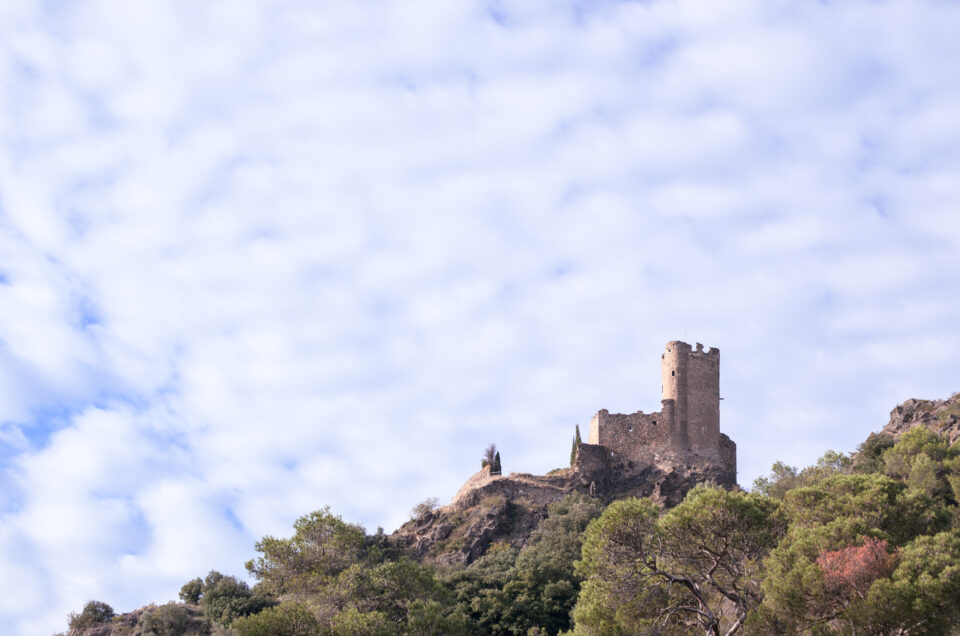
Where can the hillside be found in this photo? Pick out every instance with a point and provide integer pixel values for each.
(507, 509)
(862, 543)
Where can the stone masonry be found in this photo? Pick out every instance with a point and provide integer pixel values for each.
(687, 428)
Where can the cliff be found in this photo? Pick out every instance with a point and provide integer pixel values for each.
(940, 416)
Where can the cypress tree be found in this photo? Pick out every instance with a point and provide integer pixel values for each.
(495, 468)
(576, 445)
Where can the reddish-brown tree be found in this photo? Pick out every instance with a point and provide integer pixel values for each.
(852, 570)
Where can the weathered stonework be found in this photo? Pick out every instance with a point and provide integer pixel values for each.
(687, 428)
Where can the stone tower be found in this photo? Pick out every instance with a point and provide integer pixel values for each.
(686, 431)
(691, 378)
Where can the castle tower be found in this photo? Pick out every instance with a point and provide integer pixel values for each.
(692, 380)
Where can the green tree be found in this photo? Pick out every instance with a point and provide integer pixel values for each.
(696, 567)
(93, 612)
(869, 456)
(167, 620)
(477, 588)
(286, 619)
(544, 585)
(784, 478)
(226, 598)
(388, 588)
(322, 546)
(920, 597)
(431, 618)
(192, 591)
(926, 463)
(495, 468)
(352, 622)
(506, 592)
(576, 445)
(840, 517)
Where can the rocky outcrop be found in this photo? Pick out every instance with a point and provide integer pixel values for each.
(507, 508)
(940, 416)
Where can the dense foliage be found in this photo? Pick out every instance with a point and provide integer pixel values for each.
(92, 613)
(861, 544)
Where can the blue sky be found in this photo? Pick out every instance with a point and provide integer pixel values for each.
(257, 258)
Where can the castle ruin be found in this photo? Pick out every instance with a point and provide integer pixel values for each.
(687, 428)
(658, 455)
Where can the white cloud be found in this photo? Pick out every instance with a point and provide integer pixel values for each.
(254, 261)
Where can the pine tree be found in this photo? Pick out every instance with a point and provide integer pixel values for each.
(495, 467)
(576, 445)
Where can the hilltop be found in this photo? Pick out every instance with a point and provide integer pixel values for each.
(940, 416)
(867, 542)
(660, 455)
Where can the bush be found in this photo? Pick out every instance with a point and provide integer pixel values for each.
(286, 619)
(426, 506)
(226, 598)
(870, 453)
(167, 620)
(93, 612)
(192, 591)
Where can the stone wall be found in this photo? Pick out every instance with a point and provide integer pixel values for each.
(728, 455)
(637, 436)
(477, 480)
(592, 458)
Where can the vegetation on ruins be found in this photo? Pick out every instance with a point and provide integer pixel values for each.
(867, 543)
(489, 456)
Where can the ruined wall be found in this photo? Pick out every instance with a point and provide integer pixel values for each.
(728, 456)
(636, 436)
(477, 480)
(592, 458)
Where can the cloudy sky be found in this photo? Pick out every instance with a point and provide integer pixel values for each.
(257, 258)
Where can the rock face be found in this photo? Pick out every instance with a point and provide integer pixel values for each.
(507, 509)
(940, 416)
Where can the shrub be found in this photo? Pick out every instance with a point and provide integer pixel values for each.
(226, 598)
(192, 591)
(286, 619)
(427, 505)
(167, 620)
(93, 612)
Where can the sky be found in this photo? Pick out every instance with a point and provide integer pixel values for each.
(257, 258)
